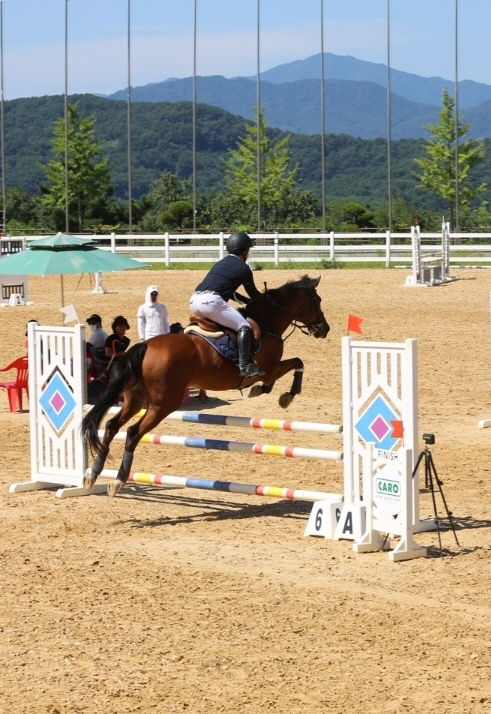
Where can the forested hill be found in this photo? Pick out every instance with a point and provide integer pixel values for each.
(354, 108)
(162, 139)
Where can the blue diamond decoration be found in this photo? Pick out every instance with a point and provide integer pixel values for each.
(375, 424)
(57, 402)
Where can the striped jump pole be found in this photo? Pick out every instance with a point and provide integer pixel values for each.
(241, 446)
(248, 489)
(247, 422)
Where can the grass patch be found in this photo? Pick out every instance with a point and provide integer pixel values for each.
(290, 265)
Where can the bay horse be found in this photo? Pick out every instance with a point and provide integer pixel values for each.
(156, 373)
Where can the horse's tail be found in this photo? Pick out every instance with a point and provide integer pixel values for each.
(125, 372)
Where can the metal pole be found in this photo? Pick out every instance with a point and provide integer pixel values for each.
(66, 118)
(194, 117)
(258, 109)
(2, 131)
(457, 221)
(389, 139)
(130, 195)
(323, 125)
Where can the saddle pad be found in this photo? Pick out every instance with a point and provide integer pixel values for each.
(223, 344)
(204, 333)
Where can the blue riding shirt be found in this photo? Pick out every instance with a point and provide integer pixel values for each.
(226, 276)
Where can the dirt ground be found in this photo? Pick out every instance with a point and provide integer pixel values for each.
(165, 600)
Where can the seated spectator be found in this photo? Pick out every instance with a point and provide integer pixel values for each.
(176, 327)
(97, 337)
(117, 343)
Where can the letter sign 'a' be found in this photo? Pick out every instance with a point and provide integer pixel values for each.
(351, 524)
(348, 524)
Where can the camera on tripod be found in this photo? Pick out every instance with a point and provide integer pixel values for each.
(431, 479)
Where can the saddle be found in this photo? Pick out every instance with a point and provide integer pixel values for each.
(209, 328)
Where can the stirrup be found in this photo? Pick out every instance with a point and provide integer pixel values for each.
(251, 370)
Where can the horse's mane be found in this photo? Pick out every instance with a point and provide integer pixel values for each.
(303, 283)
(280, 295)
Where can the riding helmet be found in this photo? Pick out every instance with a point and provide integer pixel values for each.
(237, 242)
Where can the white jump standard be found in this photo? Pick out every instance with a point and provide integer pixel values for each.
(432, 268)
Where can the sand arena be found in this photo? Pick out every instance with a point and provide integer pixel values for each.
(172, 601)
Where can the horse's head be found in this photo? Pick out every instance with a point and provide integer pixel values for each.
(309, 311)
(297, 303)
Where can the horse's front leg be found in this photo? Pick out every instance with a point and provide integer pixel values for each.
(287, 365)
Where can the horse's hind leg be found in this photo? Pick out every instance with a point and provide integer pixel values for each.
(133, 402)
(151, 418)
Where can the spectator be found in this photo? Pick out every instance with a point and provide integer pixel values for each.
(97, 335)
(176, 327)
(152, 316)
(27, 323)
(117, 343)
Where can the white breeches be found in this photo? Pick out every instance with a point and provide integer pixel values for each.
(215, 308)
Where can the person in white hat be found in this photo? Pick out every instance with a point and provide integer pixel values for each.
(152, 316)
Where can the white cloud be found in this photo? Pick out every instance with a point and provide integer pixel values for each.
(100, 65)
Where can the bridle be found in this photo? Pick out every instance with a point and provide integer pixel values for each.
(295, 322)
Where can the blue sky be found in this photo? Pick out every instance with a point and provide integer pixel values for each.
(422, 39)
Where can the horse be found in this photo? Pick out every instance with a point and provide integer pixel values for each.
(156, 373)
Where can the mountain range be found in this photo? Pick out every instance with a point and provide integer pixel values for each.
(355, 98)
(162, 140)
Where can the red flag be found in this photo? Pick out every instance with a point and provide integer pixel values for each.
(354, 324)
(397, 430)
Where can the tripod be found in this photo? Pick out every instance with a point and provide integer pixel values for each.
(431, 476)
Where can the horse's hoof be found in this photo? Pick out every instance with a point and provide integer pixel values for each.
(285, 400)
(255, 391)
(114, 487)
(89, 481)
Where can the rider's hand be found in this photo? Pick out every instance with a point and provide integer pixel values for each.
(261, 298)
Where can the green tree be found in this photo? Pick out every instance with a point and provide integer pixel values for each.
(294, 208)
(403, 215)
(276, 178)
(281, 202)
(348, 217)
(179, 214)
(22, 208)
(164, 191)
(227, 212)
(477, 219)
(438, 168)
(88, 176)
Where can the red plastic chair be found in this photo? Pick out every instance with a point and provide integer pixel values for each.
(14, 388)
(202, 396)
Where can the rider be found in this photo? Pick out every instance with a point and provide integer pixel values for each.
(211, 296)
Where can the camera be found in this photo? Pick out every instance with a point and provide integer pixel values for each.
(429, 439)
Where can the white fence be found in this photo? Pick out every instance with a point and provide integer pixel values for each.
(275, 248)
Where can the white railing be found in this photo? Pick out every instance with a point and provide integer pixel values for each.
(277, 248)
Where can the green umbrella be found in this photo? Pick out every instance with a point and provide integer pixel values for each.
(64, 255)
(61, 240)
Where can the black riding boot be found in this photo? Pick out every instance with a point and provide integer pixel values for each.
(246, 367)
